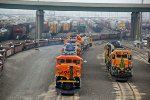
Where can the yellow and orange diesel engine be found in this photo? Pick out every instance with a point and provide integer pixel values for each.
(68, 73)
(121, 63)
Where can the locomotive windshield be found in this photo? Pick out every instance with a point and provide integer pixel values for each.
(68, 61)
(70, 48)
(76, 61)
(121, 56)
(60, 61)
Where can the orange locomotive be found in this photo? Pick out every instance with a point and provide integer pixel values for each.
(68, 73)
(71, 49)
(118, 60)
(76, 41)
(83, 42)
(121, 63)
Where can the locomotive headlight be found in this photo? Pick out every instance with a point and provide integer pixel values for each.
(0, 62)
(113, 66)
(77, 69)
(127, 69)
(130, 66)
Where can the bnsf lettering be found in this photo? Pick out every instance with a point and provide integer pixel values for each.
(64, 72)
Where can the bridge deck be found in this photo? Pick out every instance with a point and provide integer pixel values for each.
(74, 6)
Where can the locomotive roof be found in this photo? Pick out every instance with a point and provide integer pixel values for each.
(122, 50)
(69, 56)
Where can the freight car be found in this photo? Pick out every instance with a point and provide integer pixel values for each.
(117, 25)
(4, 34)
(97, 27)
(74, 26)
(46, 27)
(53, 28)
(20, 31)
(82, 27)
(66, 25)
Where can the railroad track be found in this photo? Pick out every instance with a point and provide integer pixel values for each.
(141, 57)
(13, 41)
(132, 48)
(139, 53)
(68, 97)
(53, 95)
(126, 91)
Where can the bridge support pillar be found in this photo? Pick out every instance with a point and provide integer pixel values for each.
(136, 25)
(39, 23)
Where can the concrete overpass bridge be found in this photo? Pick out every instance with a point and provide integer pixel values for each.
(71, 5)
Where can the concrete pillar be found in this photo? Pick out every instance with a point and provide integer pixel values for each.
(135, 25)
(39, 23)
(132, 25)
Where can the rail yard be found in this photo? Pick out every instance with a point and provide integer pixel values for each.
(76, 59)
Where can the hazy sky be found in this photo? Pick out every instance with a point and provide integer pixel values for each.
(68, 13)
(73, 13)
